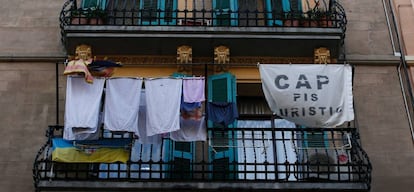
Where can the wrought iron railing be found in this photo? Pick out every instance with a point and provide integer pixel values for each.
(293, 155)
(329, 14)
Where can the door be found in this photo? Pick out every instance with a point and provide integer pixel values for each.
(277, 10)
(223, 141)
(251, 12)
(225, 12)
(158, 12)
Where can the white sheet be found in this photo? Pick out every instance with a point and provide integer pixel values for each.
(163, 96)
(263, 150)
(83, 102)
(190, 130)
(142, 124)
(308, 94)
(122, 100)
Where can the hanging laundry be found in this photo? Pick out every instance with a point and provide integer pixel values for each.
(83, 101)
(193, 89)
(163, 98)
(79, 67)
(122, 100)
(223, 113)
(104, 150)
(103, 68)
(190, 130)
(142, 124)
(190, 106)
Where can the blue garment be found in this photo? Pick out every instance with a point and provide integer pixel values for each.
(222, 112)
(189, 106)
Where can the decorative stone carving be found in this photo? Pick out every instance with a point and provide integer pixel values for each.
(322, 55)
(221, 58)
(184, 56)
(83, 52)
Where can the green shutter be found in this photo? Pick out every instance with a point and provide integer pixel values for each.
(182, 159)
(222, 149)
(225, 13)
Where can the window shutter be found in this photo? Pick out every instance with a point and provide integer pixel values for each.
(183, 156)
(222, 88)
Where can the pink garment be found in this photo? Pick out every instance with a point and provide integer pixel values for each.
(193, 89)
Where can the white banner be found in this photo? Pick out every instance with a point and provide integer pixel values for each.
(308, 94)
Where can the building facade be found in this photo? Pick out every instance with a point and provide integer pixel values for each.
(209, 38)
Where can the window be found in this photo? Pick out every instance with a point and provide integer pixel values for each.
(158, 12)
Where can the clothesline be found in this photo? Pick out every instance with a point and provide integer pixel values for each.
(143, 78)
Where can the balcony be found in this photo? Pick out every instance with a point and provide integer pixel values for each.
(248, 28)
(242, 159)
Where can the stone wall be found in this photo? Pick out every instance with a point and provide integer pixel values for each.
(27, 100)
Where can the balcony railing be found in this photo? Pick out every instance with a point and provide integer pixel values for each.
(202, 13)
(233, 158)
(206, 13)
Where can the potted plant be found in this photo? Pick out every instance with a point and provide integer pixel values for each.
(78, 17)
(319, 17)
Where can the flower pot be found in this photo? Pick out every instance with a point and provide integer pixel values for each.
(95, 21)
(79, 20)
(291, 23)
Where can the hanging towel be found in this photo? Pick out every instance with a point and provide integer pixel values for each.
(193, 89)
(163, 98)
(122, 104)
(83, 101)
(190, 130)
(222, 112)
(142, 124)
(79, 66)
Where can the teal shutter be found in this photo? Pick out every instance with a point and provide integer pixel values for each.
(277, 8)
(158, 12)
(225, 12)
(222, 149)
(94, 4)
(182, 159)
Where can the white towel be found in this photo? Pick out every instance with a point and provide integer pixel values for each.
(163, 98)
(142, 124)
(122, 104)
(190, 130)
(193, 90)
(83, 101)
